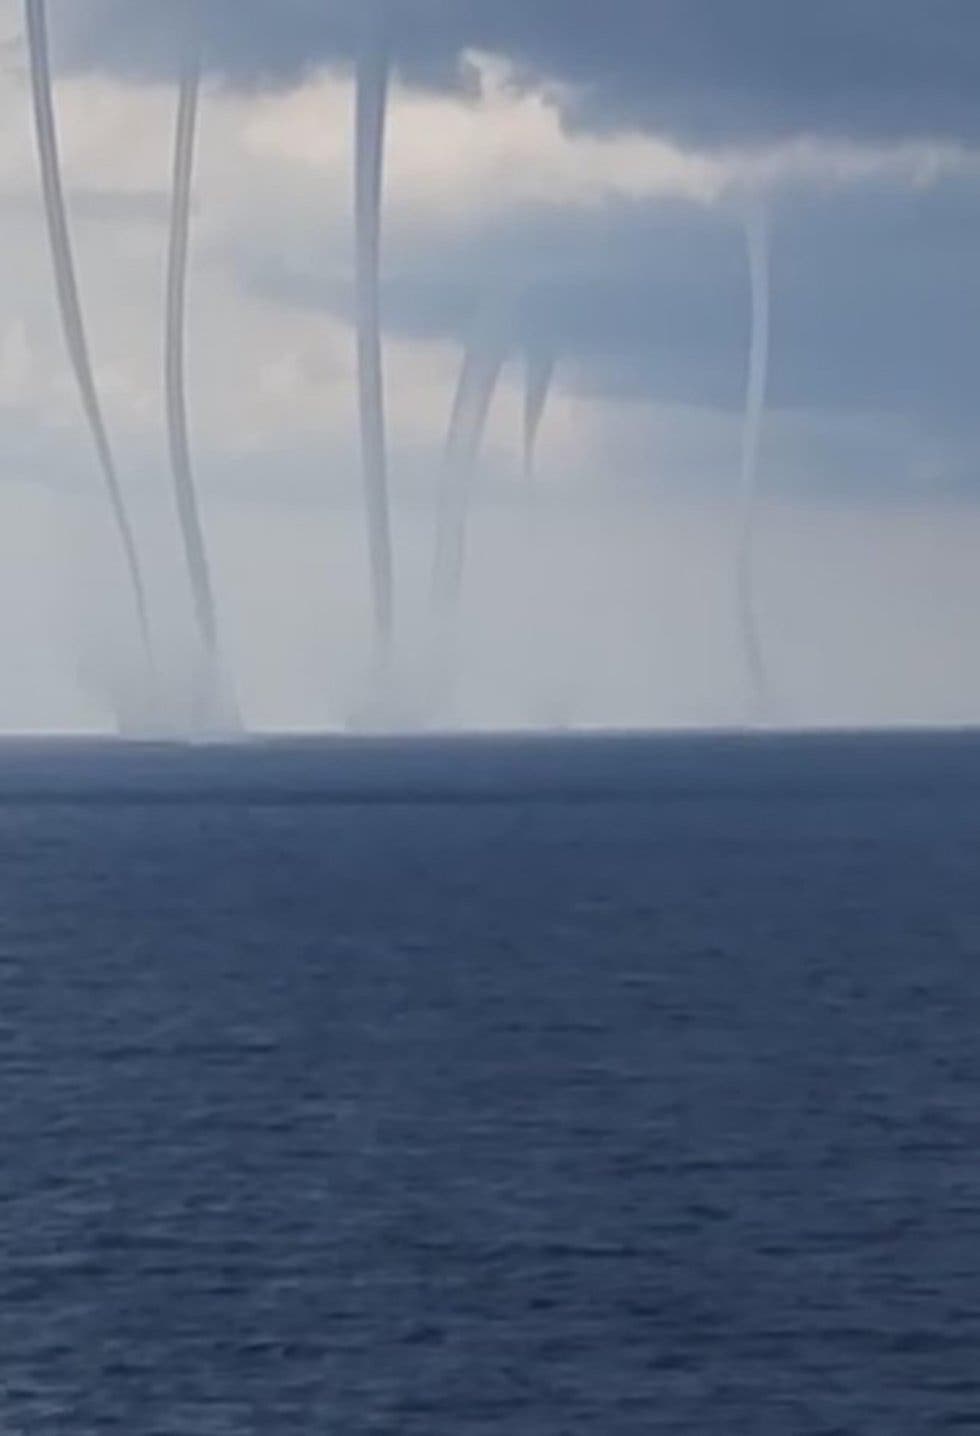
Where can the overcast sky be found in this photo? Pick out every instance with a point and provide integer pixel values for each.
(594, 163)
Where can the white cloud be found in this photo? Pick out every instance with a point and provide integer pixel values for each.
(454, 160)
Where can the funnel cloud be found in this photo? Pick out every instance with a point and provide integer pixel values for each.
(541, 365)
(479, 375)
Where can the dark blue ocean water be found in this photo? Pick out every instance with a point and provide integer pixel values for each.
(599, 1086)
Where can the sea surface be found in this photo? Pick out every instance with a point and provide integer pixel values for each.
(445, 1087)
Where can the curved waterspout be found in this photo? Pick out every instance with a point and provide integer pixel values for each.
(69, 304)
(372, 101)
(541, 366)
(185, 490)
(479, 375)
(758, 247)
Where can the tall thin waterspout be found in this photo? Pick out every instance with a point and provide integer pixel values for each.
(69, 304)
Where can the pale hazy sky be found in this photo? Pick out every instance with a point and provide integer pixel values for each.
(594, 163)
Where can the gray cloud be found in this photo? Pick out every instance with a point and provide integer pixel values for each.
(707, 70)
(874, 308)
(875, 315)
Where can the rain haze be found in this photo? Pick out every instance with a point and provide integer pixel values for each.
(494, 365)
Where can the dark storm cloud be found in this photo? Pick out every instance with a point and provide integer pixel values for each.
(875, 308)
(704, 70)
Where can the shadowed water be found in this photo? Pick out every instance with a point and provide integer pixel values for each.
(553, 1086)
